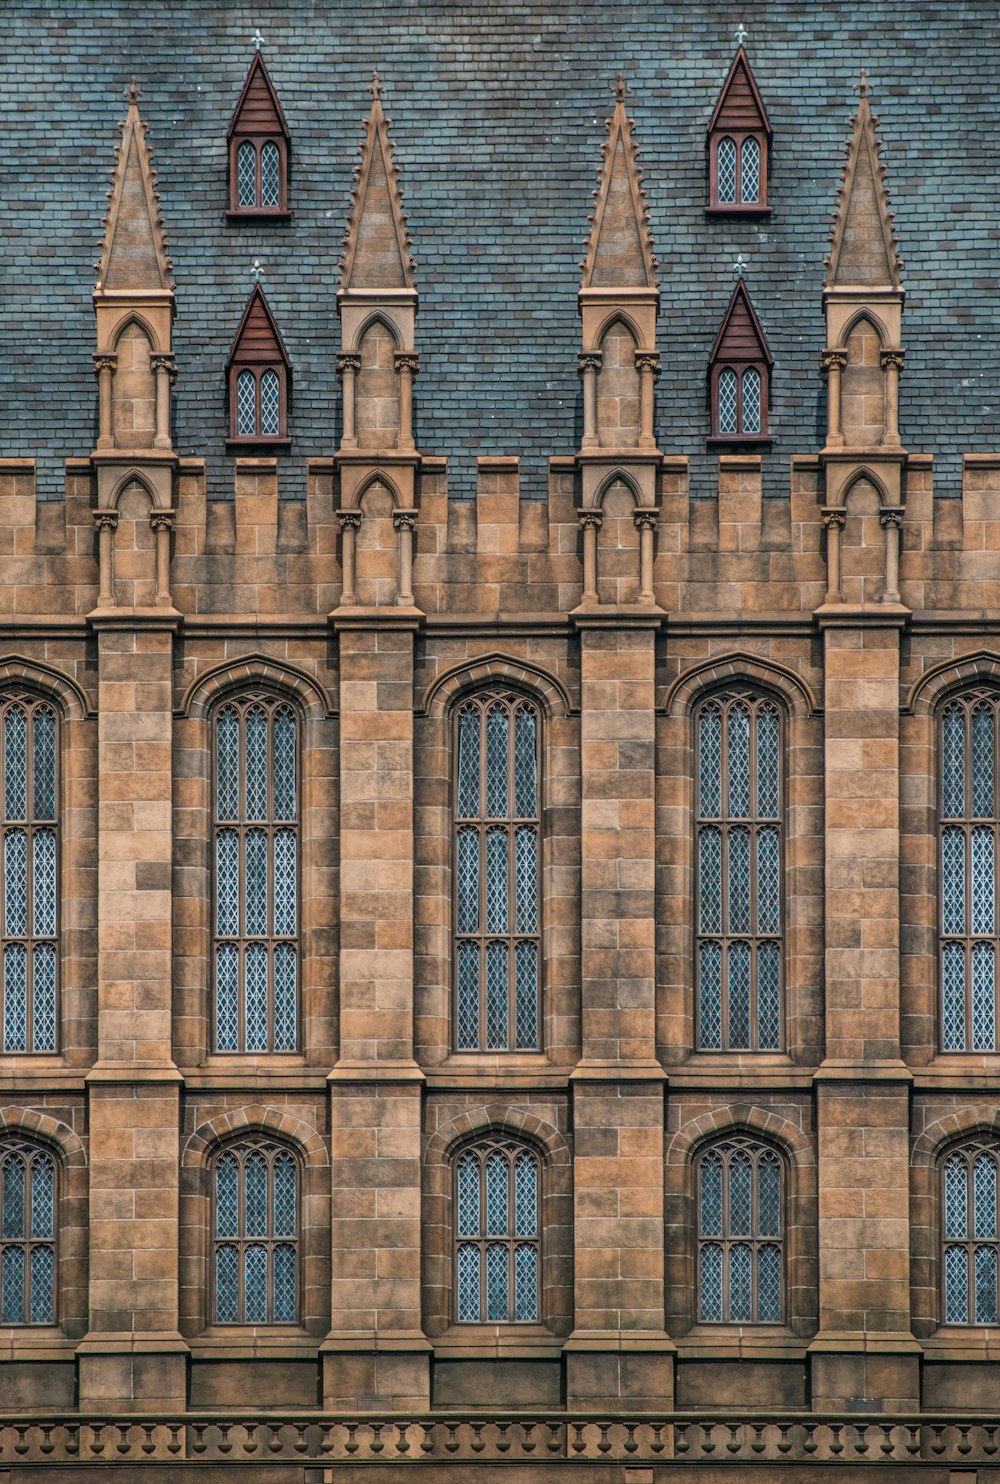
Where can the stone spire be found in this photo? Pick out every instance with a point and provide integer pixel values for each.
(377, 244)
(134, 251)
(619, 249)
(862, 241)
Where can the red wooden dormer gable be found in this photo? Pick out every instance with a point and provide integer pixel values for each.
(739, 106)
(740, 338)
(258, 110)
(257, 373)
(259, 149)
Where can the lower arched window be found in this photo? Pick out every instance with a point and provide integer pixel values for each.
(255, 1234)
(969, 1201)
(27, 1234)
(740, 1234)
(497, 1233)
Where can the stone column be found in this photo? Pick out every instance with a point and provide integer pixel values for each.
(834, 520)
(165, 373)
(162, 522)
(104, 370)
(590, 520)
(403, 522)
(350, 520)
(648, 364)
(133, 1357)
(891, 519)
(106, 522)
(349, 365)
(834, 362)
(376, 1355)
(645, 522)
(589, 364)
(892, 365)
(864, 1347)
(406, 369)
(618, 1354)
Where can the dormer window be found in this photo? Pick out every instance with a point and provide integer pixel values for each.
(739, 375)
(739, 137)
(258, 149)
(258, 376)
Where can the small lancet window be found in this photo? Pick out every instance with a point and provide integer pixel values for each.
(255, 1234)
(258, 374)
(739, 138)
(739, 852)
(970, 816)
(28, 742)
(739, 375)
(497, 1257)
(740, 1234)
(259, 149)
(27, 1234)
(497, 910)
(970, 1236)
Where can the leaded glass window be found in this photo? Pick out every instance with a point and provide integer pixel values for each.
(29, 745)
(727, 170)
(739, 855)
(969, 1232)
(28, 1234)
(497, 1226)
(255, 1234)
(968, 866)
(738, 175)
(259, 170)
(497, 872)
(740, 1234)
(255, 865)
(258, 409)
(750, 171)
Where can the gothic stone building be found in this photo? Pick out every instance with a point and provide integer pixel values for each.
(500, 917)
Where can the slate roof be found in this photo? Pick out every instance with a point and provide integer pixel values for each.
(498, 117)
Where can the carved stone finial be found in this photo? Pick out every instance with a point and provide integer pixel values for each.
(861, 86)
(375, 86)
(133, 92)
(741, 33)
(257, 39)
(621, 88)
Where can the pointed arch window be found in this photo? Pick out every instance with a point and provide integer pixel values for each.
(739, 375)
(28, 1194)
(29, 743)
(259, 148)
(739, 863)
(256, 876)
(968, 828)
(970, 1236)
(497, 1260)
(255, 1234)
(258, 373)
(497, 863)
(740, 1233)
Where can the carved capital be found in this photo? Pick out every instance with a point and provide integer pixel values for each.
(161, 520)
(106, 520)
(835, 518)
(590, 520)
(890, 516)
(347, 360)
(645, 518)
(105, 363)
(647, 360)
(162, 360)
(892, 358)
(407, 360)
(349, 520)
(404, 520)
(590, 360)
(834, 360)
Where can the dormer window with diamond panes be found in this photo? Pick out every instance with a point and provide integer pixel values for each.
(258, 375)
(739, 375)
(739, 137)
(258, 149)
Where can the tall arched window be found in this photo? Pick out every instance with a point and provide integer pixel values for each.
(739, 874)
(255, 1234)
(970, 1235)
(30, 874)
(497, 1233)
(27, 1234)
(740, 1234)
(497, 872)
(255, 856)
(968, 856)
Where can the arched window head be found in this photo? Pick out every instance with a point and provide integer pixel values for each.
(740, 1233)
(497, 863)
(739, 858)
(739, 136)
(259, 148)
(255, 1234)
(968, 866)
(29, 742)
(497, 1226)
(255, 860)
(969, 1233)
(28, 1193)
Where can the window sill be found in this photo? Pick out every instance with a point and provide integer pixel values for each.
(258, 214)
(34, 1342)
(740, 440)
(734, 210)
(741, 1341)
(255, 1342)
(234, 444)
(963, 1342)
(497, 1069)
(497, 1341)
(740, 1068)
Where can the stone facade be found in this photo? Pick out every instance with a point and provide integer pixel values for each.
(845, 618)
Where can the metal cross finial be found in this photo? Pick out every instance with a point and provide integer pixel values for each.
(257, 39)
(256, 271)
(741, 34)
(375, 86)
(133, 92)
(740, 267)
(621, 88)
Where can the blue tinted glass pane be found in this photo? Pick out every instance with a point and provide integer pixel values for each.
(284, 764)
(750, 176)
(710, 1197)
(255, 1188)
(227, 764)
(710, 763)
(526, 881)
(497, 728)
(496, 1195)
(227, 884)
(468, 1196)
(953, 880)
(13, 1197)
(270, 193)
(284, 1284)
(226, 1285)
(246, 405)
(740, 1284)
(256, 763)
(44, 884)
(727, 170)
(710, 996)
(468, 1283)
(738, 844)
(768, 754)
(467, 871)
(768, 882)
(956, 1285)
(496, 997)
(255, 992)
(738, 734)
(986, 1285)
(710, 1283)
(956, 1199)
(953, 763)
(285, 998)
(285, 885)
(953, 974)
(43, 1025)
(709, 879)
(468, 997)
(226, 997)
(769, 1196)
(740, 1185)
(285, 1224)
(15, 882)
(739, 996)
(525, 1281)
(255, 1284)
(984, 1196)
(12, 1282)
(246, 174)
(45, 764)
(497, 1302)
(525, 1196)
(15, 760)
(983, 762)
(768, 997)
(526, 1007)
(983, 881)
(15, 998)
(270, 405)
(984, 1028)
(256, 883)
(496, 881)
(751, 401)
(42, 1273)
(227, 1197)
(769, 1285)
(468, 764)
(525, 765)
(43, 1195)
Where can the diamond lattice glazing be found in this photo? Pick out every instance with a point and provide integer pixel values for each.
(15, 998)
(496, 881)
(769, 1284)
(983, 881)
(525, 1196)
(44, 884)
(953, 975)
(246, 405)
(256, 763)
(526, 997)
(497, 1302)
(497, 1180)
(710, 1199)
(751, 400)
(726, 170)
(738, 841)
(768, 997)
(43, 1192)
(468, 997)
(953, 763)
(12, 1282)
(710, 997)
(727, 401)
(43, 1008)
(768, 763)
(15, 874)
(769, 1196)
(984, 1028)
(740, 1189)
(255, 991)
(526, 880)
(226, 997)
(227, 1285)
(227, 1197)
(710, 762)
(42, 1272)
(468, 764)
(710, 1282)
(983, 762)
(497, 729)
(956, 1196)
(986, 1285)
(285, 998)
(285, 884)
(953, 880)
(44, 781)
(284, 1196)
(525, 765)
(740, 1284)
(956, 1285)
(525, 1281)
(256, 883)
(227, 765)
(739, 996)
(284, 1284)
(270, 404)
(738, 737)
(285, 803)
(270, 177)
(496, 997)
(255, 1284)
(14, 1187)
(710, 879)
(750, 184)
(246, 174)
(467, 1184)
(468, 1283)
(15, 761)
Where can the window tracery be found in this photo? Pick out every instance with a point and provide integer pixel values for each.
(497, 1261)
